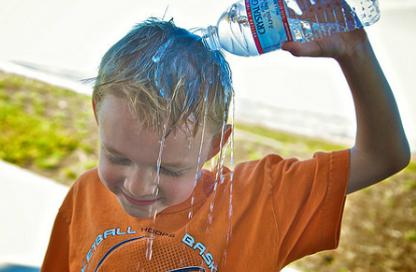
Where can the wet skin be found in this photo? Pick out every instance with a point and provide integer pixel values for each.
(129, 154)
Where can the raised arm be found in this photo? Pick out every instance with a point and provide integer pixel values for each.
(381, 148)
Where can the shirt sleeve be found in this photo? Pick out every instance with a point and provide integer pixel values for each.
(308, 198)
(57, 254)
(56, 258)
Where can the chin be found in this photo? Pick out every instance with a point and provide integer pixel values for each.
(141, 213)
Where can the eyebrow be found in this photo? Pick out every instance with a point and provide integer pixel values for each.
(178, 165)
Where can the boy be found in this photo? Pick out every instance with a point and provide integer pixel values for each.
(160, 100)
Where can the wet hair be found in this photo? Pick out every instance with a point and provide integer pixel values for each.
(168, 76)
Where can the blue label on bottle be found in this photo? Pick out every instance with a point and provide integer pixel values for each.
(267, 24)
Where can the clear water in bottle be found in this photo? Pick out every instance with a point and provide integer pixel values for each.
(254, 27)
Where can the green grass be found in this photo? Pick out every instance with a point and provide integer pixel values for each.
(30, 138)
(45, 128)
(311, 144)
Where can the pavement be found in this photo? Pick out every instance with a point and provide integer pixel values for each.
(28, 206)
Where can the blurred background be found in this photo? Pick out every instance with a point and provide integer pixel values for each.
(293, 106)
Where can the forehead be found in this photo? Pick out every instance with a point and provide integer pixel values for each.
(123, 131)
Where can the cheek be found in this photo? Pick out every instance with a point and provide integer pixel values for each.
(112, 176)
(178, 190)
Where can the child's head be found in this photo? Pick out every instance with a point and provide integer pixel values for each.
(159, 82)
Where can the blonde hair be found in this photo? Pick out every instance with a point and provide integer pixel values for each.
(166, 74)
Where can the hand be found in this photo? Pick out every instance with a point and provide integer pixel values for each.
(338, 46)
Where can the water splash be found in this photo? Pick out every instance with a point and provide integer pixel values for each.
(293, 5)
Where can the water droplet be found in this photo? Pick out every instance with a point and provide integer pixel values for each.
(189, 139)
(162, 92)
(139, 267)
(210, 217)
(159, 53)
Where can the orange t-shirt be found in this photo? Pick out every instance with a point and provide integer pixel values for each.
(282, 210)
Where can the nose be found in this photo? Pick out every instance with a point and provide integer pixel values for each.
(141, 183)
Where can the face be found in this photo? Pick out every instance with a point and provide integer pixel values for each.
(128, 164)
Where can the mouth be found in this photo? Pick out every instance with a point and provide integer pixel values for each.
(139, 202)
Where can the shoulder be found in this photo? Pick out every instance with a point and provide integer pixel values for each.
(269, 165)
(253, 176)
(89, 180)
(275, 168)
(259, 165)
(87, 185)
(88, 175)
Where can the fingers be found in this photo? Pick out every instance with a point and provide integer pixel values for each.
(310, 49)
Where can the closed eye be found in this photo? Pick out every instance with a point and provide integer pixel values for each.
(119, 160)
(165, 171)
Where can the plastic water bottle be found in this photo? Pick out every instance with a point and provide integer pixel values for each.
(254, 27)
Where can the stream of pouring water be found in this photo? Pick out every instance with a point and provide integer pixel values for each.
(156, 60)
(218, 176)
(199, 154)
(150, 238)
(159, 74)
(230, 203)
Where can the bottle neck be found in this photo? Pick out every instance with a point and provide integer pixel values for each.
(210, 38)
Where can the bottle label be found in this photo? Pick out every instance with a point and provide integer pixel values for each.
(268, 23)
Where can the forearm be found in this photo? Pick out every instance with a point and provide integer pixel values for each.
(379, 128)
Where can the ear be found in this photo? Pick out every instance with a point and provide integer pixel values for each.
(216, 141)
(94, 107)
